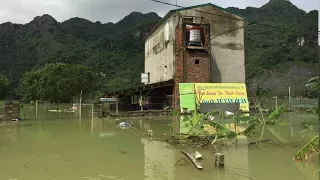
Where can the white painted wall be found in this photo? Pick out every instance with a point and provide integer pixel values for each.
(227, 50)
(159, 53)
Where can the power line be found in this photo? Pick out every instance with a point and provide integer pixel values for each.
(176, 5)
(252, 22)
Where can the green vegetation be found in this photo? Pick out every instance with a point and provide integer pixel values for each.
(57, 83)
(277, 111)
(308, 149)
(4, 85)
(116, 50)
(280, 57)
(314, 84)
(313, 145)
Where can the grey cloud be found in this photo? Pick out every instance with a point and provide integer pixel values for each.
(23, 11)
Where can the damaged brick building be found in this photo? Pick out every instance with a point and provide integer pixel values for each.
(203, 43)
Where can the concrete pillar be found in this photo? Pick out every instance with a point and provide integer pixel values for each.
(141, 101)
(219, 159)
(150, 133)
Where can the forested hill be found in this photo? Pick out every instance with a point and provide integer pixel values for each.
(113, 49)
(275, 58)
(281, 48)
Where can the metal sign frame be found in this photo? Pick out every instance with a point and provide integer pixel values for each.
(113, 99)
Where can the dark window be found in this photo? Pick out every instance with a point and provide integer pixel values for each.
(196, 61)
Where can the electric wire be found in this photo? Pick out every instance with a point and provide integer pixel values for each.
(252, 22)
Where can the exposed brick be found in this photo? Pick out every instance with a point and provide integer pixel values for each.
(196, 73)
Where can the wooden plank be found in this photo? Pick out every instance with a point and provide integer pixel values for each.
(193, 160)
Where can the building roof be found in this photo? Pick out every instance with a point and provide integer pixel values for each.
(186, 8)
(128, 91)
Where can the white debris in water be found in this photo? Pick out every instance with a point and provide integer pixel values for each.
(228, 113)
(197, 155)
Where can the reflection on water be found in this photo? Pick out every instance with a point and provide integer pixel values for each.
(9, 133)
(73, 149)
(158, 160)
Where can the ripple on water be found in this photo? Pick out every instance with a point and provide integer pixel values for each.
(105, 176)
(101, 176)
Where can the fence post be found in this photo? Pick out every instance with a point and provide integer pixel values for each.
(300, 104)
(24, 111)
(36, 109)
(41, 110)
(289, 98)
(92, 113)
(276, 98)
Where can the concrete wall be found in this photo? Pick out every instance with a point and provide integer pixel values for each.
(227, 44)
(159, 52)
(227, 47)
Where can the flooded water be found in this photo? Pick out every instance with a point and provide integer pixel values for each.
(70, 148)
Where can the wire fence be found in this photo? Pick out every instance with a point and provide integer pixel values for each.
(300, 103)
(55, 111)
(71, 111)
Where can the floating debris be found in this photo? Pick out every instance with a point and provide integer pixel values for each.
(197, 155)
(125, 125)
(193, 160)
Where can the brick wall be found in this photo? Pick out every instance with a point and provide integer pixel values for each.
(196, 72)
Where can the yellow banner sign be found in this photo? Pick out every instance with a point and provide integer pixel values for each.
(222, 93)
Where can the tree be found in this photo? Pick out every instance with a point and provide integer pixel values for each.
(58, 83)
(4, 84)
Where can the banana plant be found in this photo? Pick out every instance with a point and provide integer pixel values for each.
(309, 148)
(277, 112)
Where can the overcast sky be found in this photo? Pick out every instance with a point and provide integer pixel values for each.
(23, 11)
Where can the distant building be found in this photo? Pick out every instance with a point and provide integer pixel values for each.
(203, 43)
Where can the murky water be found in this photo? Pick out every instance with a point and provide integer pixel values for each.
(51, 148)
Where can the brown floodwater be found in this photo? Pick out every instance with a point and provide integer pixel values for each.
(65, 146)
